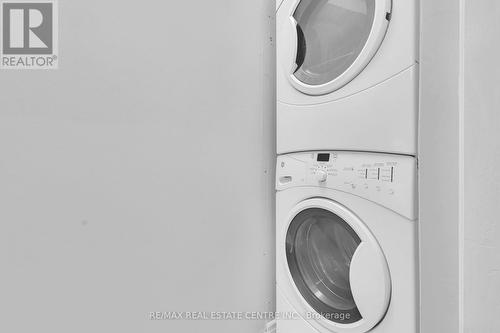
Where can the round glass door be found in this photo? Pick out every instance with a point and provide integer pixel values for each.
(331, 35)
(319, 248)
(327, 43)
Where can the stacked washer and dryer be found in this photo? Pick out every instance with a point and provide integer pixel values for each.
(347, 240)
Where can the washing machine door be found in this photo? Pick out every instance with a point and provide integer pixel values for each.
(330, 41)
(337, 267)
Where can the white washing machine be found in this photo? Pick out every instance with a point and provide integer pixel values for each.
(346, 243)
(347, 75)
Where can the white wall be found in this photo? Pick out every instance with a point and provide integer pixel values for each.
(439, 166)
(459, 155)
(481, 163)
(139, 176)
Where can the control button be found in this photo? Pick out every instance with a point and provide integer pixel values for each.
(363, 173)
(373, 174)
(285, 180)
(386, 174)
(321, 176)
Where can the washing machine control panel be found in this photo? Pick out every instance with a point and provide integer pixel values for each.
(389, 180)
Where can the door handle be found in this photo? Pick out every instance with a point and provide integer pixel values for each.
(294, 44)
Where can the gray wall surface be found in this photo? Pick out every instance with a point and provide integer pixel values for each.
(439, 166)
(459, 156)
(481, 162)
(139, 176)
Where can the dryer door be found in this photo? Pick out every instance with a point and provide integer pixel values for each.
(337, 267)
(332, 41)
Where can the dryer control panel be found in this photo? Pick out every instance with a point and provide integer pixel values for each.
(389, 180)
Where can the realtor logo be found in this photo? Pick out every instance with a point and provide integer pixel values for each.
(29, 34)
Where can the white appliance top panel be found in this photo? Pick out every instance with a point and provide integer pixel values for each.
(385, 179)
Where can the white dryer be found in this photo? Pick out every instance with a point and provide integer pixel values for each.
(347, 75)
(346, 243)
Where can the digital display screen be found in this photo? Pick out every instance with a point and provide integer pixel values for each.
(323, 157)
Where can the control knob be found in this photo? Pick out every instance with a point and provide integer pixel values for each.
(321, 176)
